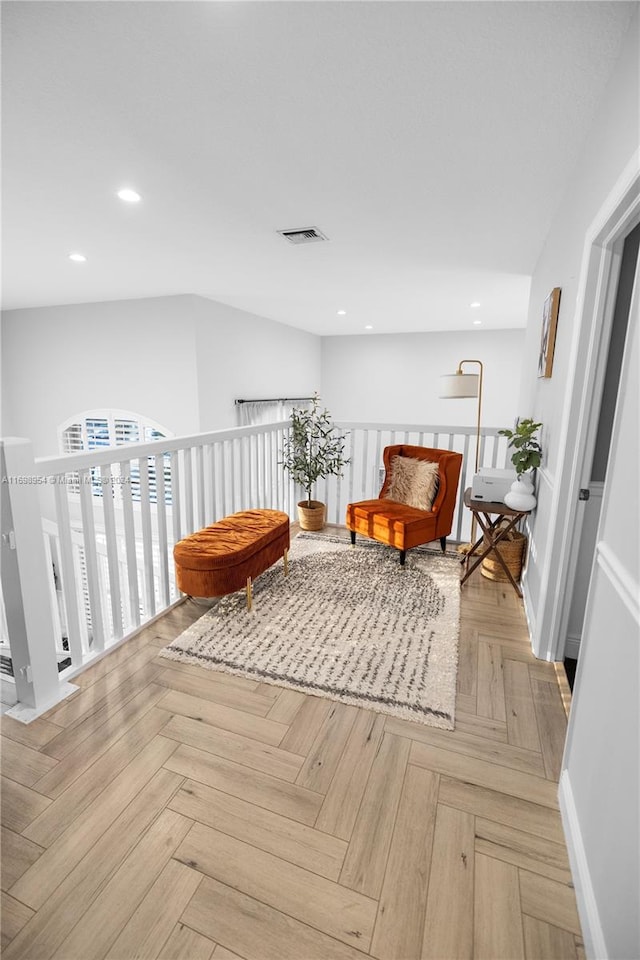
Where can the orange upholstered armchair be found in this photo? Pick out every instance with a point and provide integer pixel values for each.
(416, 502)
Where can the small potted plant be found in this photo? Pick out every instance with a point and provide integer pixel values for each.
(526, 456)
(313, 450)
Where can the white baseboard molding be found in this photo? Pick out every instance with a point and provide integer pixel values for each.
(572, 647)
(594, 942)
(528, 610)
(26, 714)
(72, 672)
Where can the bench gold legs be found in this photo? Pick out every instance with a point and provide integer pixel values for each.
(248, 588)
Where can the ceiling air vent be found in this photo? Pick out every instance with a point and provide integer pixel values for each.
(306, 235)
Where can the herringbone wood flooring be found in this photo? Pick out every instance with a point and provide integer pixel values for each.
(166, 811)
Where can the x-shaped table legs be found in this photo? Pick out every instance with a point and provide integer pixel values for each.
(490, 528)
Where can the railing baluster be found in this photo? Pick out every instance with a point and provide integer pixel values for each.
(494, 452)
(130, 545)
(176, 489)
(378, 463)
(365, 462)
(339, 514)
(350, 452)
(462, 486)
(91, 558)
(227, 451)
(261, 441)
(232, 476)
(270, 460)
(218, 480)
(163, 546)
(246, 473)
(200, 487)
(206, 484)
(257, 477)
(113, 566)
(70, 590)
(188, 490)
(53, 599)
(147, 548)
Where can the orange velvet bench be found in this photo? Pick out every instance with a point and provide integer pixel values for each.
(229, 554)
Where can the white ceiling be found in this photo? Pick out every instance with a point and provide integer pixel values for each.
(430, 141)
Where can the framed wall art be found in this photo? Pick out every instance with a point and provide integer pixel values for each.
(548, 336)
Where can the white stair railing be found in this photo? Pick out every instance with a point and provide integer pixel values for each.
(112, 516)
(365, 444)
(120, 510)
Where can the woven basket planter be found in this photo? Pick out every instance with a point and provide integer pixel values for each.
(311, 517)
(512, 550)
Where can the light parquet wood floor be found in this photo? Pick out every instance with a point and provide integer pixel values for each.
(165, 811)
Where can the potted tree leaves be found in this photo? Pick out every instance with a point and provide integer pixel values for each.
(314, 450)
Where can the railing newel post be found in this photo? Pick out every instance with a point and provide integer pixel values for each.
(26, 585)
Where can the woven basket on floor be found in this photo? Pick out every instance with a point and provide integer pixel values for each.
(512, 550)
(311, 515)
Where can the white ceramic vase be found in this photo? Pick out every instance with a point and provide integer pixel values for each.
(521, 497)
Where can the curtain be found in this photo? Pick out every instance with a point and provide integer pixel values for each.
(251, 413)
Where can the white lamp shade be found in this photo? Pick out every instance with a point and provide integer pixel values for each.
(459, 385)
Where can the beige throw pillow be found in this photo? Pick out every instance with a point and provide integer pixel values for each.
(414, 482)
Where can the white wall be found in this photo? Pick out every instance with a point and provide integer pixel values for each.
(242, 356)
(600, 789)
(396, 378)
(608, 149)
(136, 355)
(179, 360)
(601, 764)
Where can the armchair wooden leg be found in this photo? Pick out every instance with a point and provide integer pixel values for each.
(403, 557)
(353, 536)
(443, 544)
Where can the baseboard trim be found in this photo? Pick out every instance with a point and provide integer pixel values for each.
(528, 611)
(563, 684)
(594, 942)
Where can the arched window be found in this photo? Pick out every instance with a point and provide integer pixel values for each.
(97, 429)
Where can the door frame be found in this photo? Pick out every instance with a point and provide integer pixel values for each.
(597, 289)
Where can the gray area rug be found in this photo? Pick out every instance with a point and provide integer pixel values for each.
(349, 624)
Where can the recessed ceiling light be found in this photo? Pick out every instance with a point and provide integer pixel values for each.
(474, 304)
(368, 327)
(342, 313)
(130, 196)
(477, 322)
(77, 257)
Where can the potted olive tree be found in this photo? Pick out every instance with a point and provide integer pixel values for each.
(313, 450)
(526, 456)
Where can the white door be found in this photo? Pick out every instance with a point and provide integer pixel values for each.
(598, 443)
(599, 790)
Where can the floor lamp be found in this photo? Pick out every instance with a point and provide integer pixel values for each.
(461, 385)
